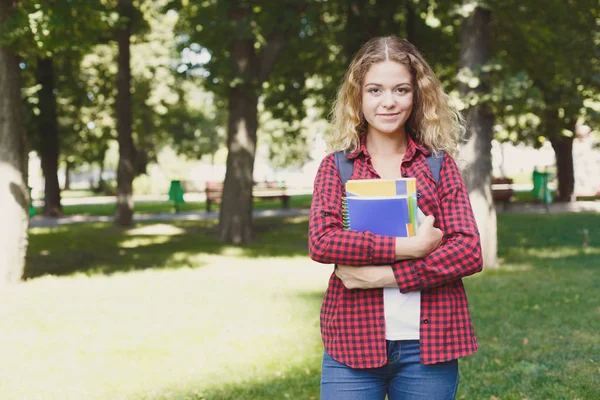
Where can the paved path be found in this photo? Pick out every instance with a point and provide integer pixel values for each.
(40, 221)
(576, 206)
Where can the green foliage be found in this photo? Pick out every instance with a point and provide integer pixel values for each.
(548, 44)
(207, 30)
(50, 27)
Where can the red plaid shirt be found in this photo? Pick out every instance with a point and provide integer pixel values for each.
(352, 321)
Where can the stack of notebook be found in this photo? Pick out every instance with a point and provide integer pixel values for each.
(382, 206)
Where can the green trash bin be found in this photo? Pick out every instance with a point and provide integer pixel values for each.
(176, 194)
(31, 207)
(540, 187)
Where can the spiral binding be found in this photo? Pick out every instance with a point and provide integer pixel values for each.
(345, 214)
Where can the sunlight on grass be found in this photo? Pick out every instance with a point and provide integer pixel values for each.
(156, 229)
(511, 267)
(556, 252)
(143, 334)
(143, 241)
(232, 251)
(45, 231)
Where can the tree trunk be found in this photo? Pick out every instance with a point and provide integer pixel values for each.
(251, 70)
(49, 142)
(126, 168)
(235, 217)
(563, 150)
(475, 154)
(68, 168)
(553, 125)
(14, 193)
(144, 146)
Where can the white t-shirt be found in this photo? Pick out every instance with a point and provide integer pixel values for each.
(402, 314)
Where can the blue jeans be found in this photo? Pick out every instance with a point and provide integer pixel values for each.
(402, 378)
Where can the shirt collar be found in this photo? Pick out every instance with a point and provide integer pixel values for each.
(412, 148)
(362, 148)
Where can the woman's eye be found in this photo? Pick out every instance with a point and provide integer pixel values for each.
(374, 90)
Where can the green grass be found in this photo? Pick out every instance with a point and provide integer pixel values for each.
(78, 193)
(164, 311)
(527, 197)
(299, 201)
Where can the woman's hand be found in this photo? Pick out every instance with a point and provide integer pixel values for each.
(366, 277)
(428, 237)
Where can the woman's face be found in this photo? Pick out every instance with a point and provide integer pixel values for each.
(387, 97)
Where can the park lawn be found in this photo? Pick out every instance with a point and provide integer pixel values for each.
(164, 311)
(521, 197)
(158, 207)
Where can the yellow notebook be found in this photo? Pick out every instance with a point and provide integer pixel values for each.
(385, 189)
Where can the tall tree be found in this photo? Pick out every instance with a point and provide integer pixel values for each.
(126, 168)
(251, 68)
(14, 194)
(47, 124)
(245, 41)
(475, 154)
(551, 43)
(44, 33)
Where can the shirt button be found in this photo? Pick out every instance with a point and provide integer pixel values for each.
(425, 321)
(405, 175)
(418, 195)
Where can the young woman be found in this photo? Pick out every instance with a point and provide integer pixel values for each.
(395, 317)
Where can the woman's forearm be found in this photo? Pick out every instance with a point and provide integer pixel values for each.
(366, 277)
(407, 248)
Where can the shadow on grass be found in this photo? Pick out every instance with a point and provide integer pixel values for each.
(550, 240)
(299, 383)
(102, 248)
(547, 230)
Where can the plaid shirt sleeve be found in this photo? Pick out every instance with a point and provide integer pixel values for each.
(328, 242)
(460, 253)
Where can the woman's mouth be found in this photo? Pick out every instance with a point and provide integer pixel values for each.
(388, 115)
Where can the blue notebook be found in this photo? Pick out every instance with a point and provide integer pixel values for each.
(388, 216)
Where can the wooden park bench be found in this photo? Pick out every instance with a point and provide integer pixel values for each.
(260, 191)
(502, 190)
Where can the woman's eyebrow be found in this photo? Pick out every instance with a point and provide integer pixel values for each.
(380, 85)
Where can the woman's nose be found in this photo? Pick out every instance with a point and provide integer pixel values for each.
(388, 99)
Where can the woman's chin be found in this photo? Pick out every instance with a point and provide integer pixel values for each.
(389, 130)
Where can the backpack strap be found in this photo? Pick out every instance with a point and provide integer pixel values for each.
(346, 166)
(435, 164)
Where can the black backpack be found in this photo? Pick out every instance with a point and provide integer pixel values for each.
(346, 166)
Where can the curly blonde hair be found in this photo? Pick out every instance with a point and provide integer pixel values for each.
(434, 121)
